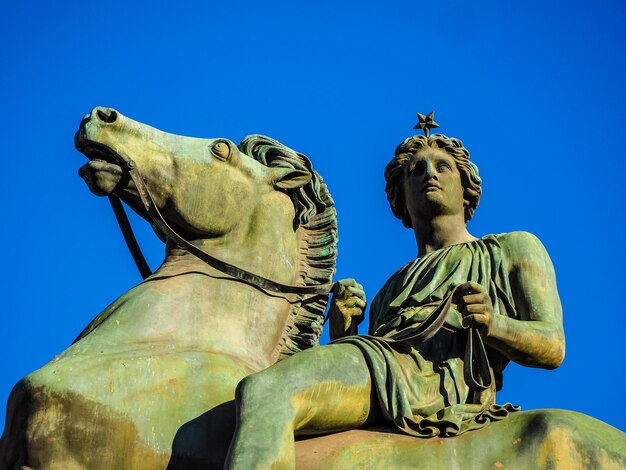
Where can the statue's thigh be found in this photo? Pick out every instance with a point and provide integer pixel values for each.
(329, 386)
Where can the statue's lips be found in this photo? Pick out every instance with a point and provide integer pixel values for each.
(431, 187)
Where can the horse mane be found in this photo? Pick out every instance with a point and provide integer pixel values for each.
(316, 220)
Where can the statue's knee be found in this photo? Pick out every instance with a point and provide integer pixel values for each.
(254, 387)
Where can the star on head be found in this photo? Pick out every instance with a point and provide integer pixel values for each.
(426, 123)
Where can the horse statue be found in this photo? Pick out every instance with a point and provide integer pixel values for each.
(150, 381)
(251, 234)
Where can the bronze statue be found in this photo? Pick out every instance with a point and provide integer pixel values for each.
(250, 233)
(442, 330)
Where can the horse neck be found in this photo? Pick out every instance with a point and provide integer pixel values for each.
(234, 317)
(264, 242)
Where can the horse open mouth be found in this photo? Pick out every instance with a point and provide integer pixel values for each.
(101, 157)
(103, 161)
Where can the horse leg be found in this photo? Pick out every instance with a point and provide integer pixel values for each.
(13, 445)
(320, 390)
(24, 445)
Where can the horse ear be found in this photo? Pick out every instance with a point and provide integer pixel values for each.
(289, 178)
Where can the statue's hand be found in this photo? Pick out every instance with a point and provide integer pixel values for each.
(475, 306)
(347, 308)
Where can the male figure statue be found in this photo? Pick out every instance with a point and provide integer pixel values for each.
(442, 328)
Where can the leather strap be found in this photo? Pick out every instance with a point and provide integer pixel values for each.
(129, 236)
(157, 219)
(476, 367)
(477, 371)
(476, 361)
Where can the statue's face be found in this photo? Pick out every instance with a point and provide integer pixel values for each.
(432, 185)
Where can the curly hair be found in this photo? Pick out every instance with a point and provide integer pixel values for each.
(317, 227)
(394, 172)
(307, 199)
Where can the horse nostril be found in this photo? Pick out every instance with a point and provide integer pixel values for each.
(107, 115)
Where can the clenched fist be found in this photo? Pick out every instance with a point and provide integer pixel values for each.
(475, 306)
(347, 308)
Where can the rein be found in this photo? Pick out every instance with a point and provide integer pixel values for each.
(476, 368)
(156, 218)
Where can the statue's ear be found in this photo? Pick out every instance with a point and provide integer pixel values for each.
(289, 178)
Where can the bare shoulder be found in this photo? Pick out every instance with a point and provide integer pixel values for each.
(523, 249)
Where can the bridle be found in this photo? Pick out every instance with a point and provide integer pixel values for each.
(477, 370)
(156, 218)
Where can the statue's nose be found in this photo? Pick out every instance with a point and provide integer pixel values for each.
(105, 115)
(429, 172)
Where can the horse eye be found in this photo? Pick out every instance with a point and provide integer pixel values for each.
(221, 150)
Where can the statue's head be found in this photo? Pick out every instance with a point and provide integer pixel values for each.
(395, 172)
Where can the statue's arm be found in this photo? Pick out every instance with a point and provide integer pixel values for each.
(536, 339)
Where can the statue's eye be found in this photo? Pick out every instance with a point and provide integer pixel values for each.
(417, 168)
(443, 167)
(221, 150)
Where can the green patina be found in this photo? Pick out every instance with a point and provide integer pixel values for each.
(417, 372)
(151, 380)
(150, 383)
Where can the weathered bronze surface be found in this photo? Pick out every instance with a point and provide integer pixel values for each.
(528, 440)
(442, 330)
(150, 383)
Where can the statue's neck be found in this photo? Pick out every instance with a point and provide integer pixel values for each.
(439, 232)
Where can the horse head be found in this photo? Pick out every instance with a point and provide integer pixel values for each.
(207, 188)
(259, 206)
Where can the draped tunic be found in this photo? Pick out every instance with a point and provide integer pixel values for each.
(422, 387)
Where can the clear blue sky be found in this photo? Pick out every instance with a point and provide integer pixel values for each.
(534, 89)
